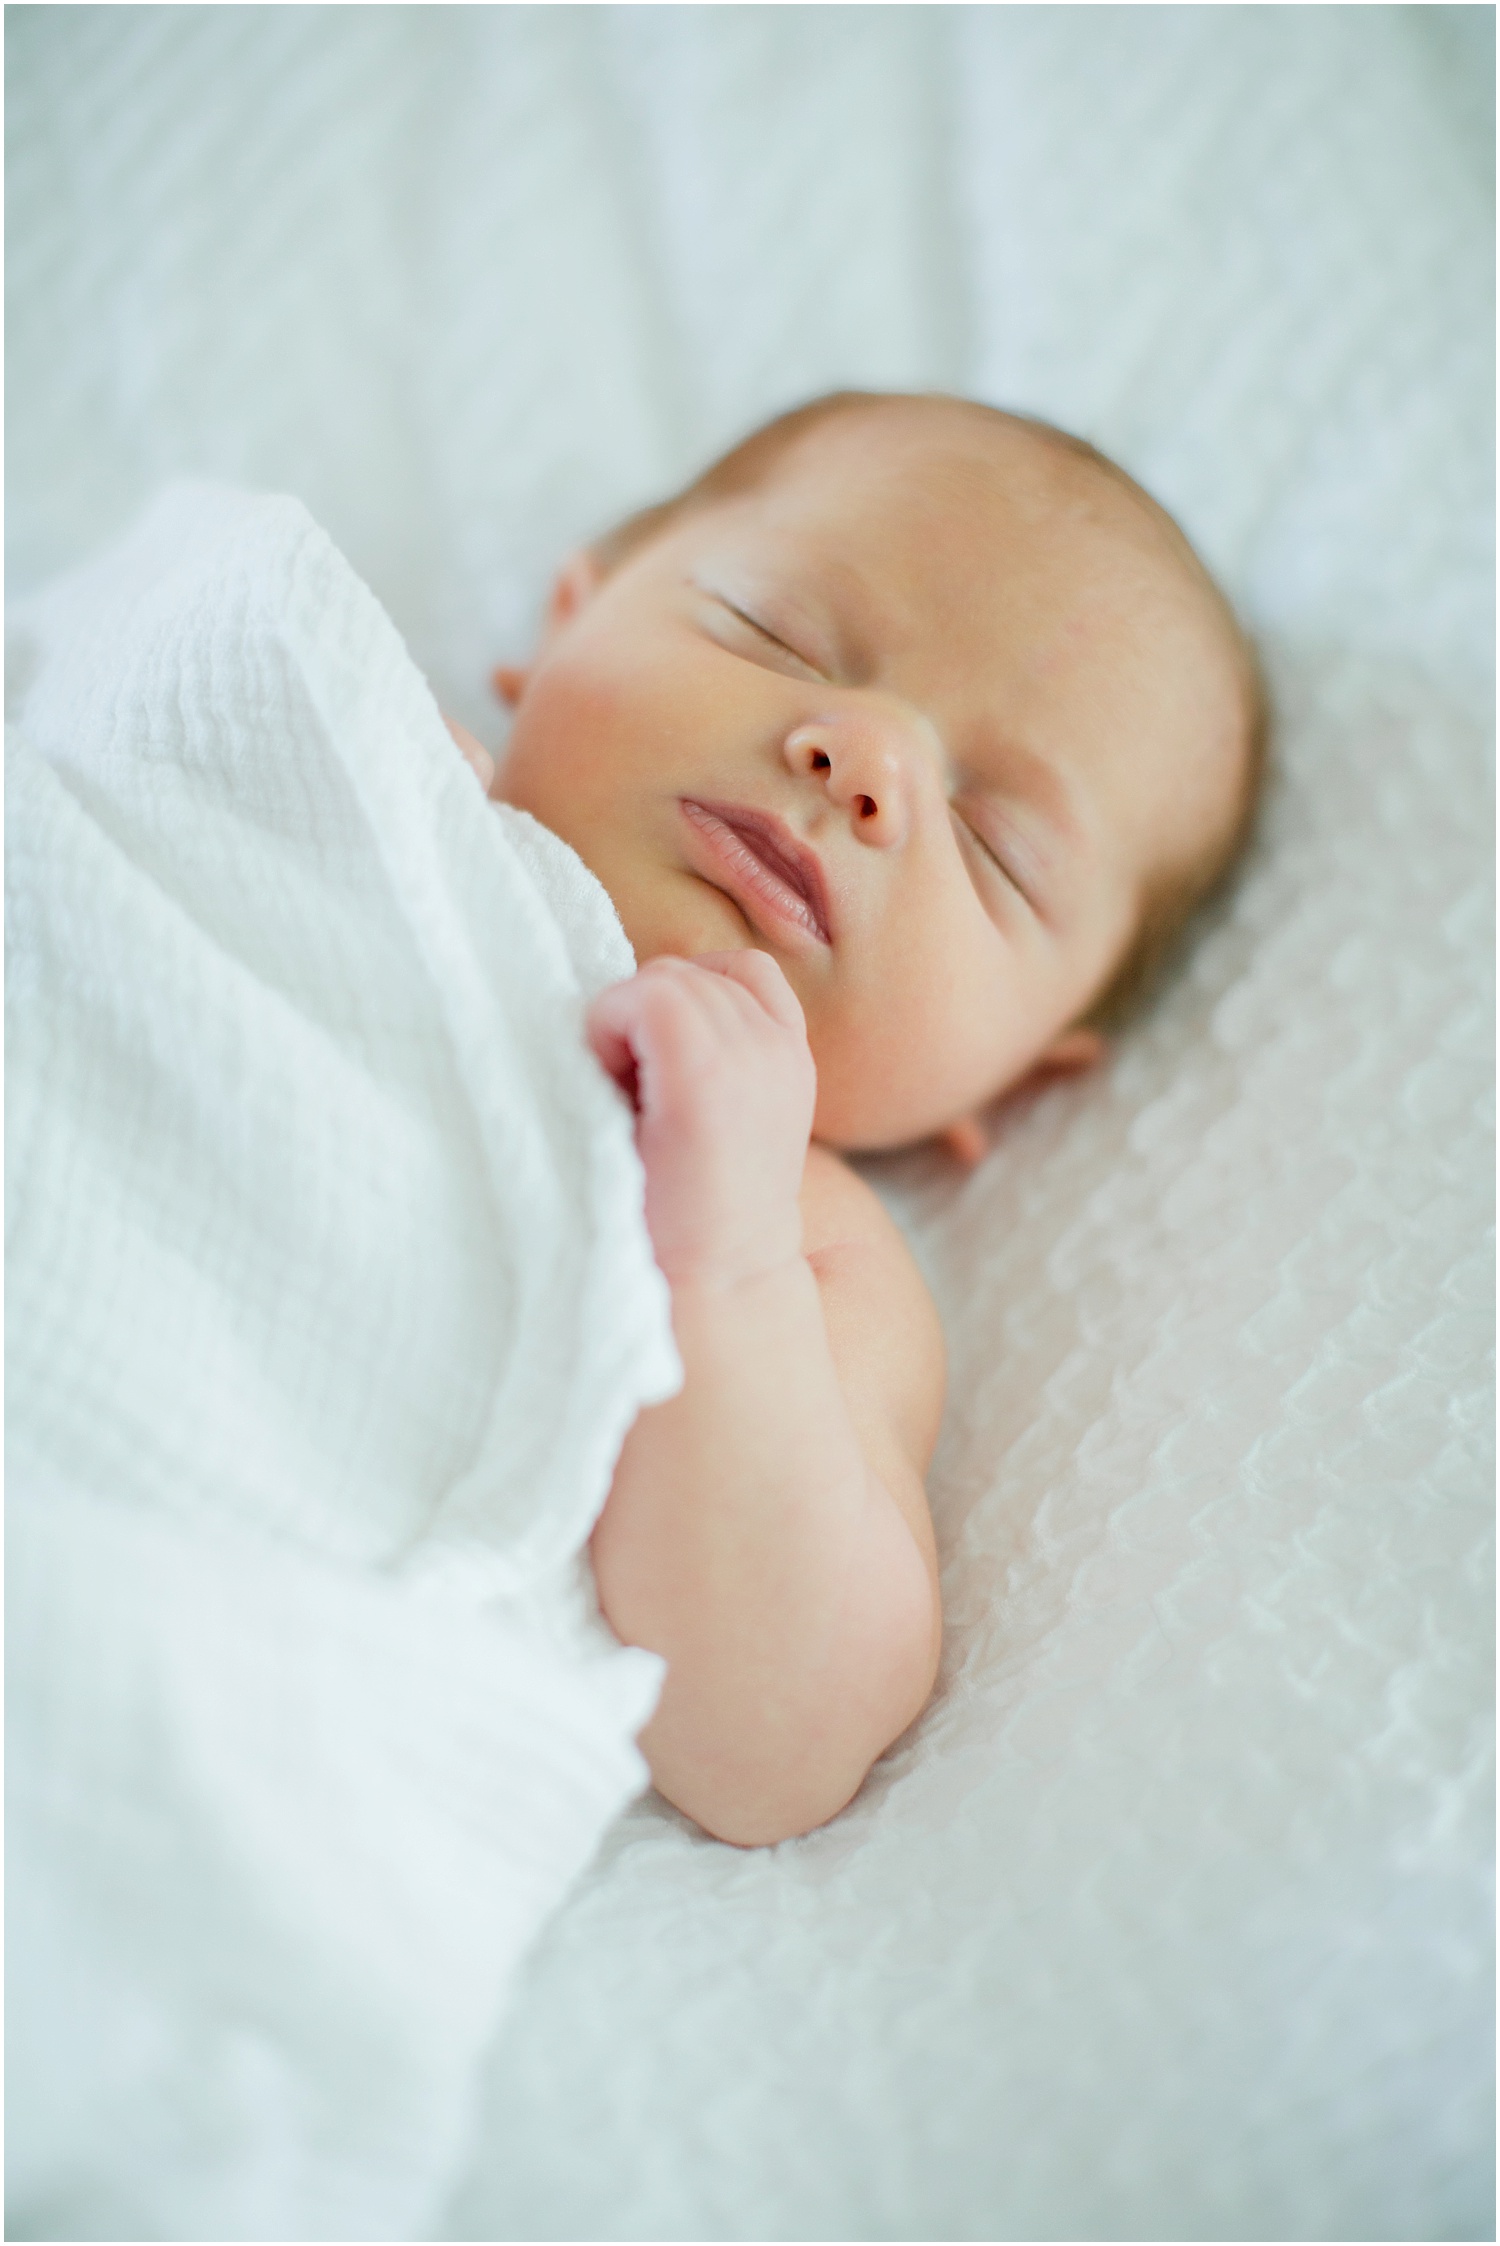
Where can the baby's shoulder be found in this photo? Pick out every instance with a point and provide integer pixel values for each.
(839, 1208)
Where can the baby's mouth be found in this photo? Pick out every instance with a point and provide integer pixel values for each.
(764, 863)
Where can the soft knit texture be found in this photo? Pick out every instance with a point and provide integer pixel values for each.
(1172, 1917)
(330, 1303)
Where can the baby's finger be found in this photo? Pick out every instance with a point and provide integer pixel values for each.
(652, 1032)
(757, 973)
(605, 1026)
(475, 754)
(693, 995)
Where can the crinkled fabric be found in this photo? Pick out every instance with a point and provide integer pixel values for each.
(331, 1301)
(1172, 1916)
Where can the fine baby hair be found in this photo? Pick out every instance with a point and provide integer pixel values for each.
(1170, 904)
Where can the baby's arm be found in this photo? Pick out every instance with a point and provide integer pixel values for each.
(767, 1530)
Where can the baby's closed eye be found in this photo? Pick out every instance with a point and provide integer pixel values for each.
(984, 852)
(766, 641)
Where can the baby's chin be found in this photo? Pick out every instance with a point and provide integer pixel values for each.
(855, 1118)
(678, 917)
(864, 1107)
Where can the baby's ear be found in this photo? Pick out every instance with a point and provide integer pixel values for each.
(1069, 1055)
(967, 1141)
(574, 586)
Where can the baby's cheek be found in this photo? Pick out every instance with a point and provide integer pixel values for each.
(891, 1075)
(592, 730)
(862, 1075)
(557, 716)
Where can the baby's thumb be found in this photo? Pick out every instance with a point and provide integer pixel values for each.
(604, 1027)
(758, 973)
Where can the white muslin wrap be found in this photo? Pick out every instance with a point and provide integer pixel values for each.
(330, 1303)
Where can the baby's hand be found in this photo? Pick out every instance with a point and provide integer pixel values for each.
(713, 1054)
(475, 755)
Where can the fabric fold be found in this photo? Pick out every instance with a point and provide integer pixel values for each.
(331, 1301)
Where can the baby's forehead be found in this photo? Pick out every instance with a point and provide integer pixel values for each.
(947, 441)
(995, 533)
(954, 505)
(991, 483)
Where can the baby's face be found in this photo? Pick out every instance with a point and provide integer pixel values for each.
(922, 718)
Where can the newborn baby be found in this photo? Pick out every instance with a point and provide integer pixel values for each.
(903, 741)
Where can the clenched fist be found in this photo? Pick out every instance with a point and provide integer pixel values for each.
(713, 1054)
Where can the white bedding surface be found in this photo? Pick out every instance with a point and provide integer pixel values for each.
(1171, 1918)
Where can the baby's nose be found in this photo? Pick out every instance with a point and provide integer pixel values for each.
(865, 760)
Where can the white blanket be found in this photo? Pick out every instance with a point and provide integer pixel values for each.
(330, 1301)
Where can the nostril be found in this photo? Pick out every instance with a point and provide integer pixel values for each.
(865, 805)
(820, 762)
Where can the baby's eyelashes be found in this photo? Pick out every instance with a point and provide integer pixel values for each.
(993, 867)
(771, 640)
(998, 846)
(744, 625)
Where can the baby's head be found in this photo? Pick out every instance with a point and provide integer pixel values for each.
(928, 701)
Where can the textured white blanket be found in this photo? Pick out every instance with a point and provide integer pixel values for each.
(1173, 1917)
(330, 1302)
